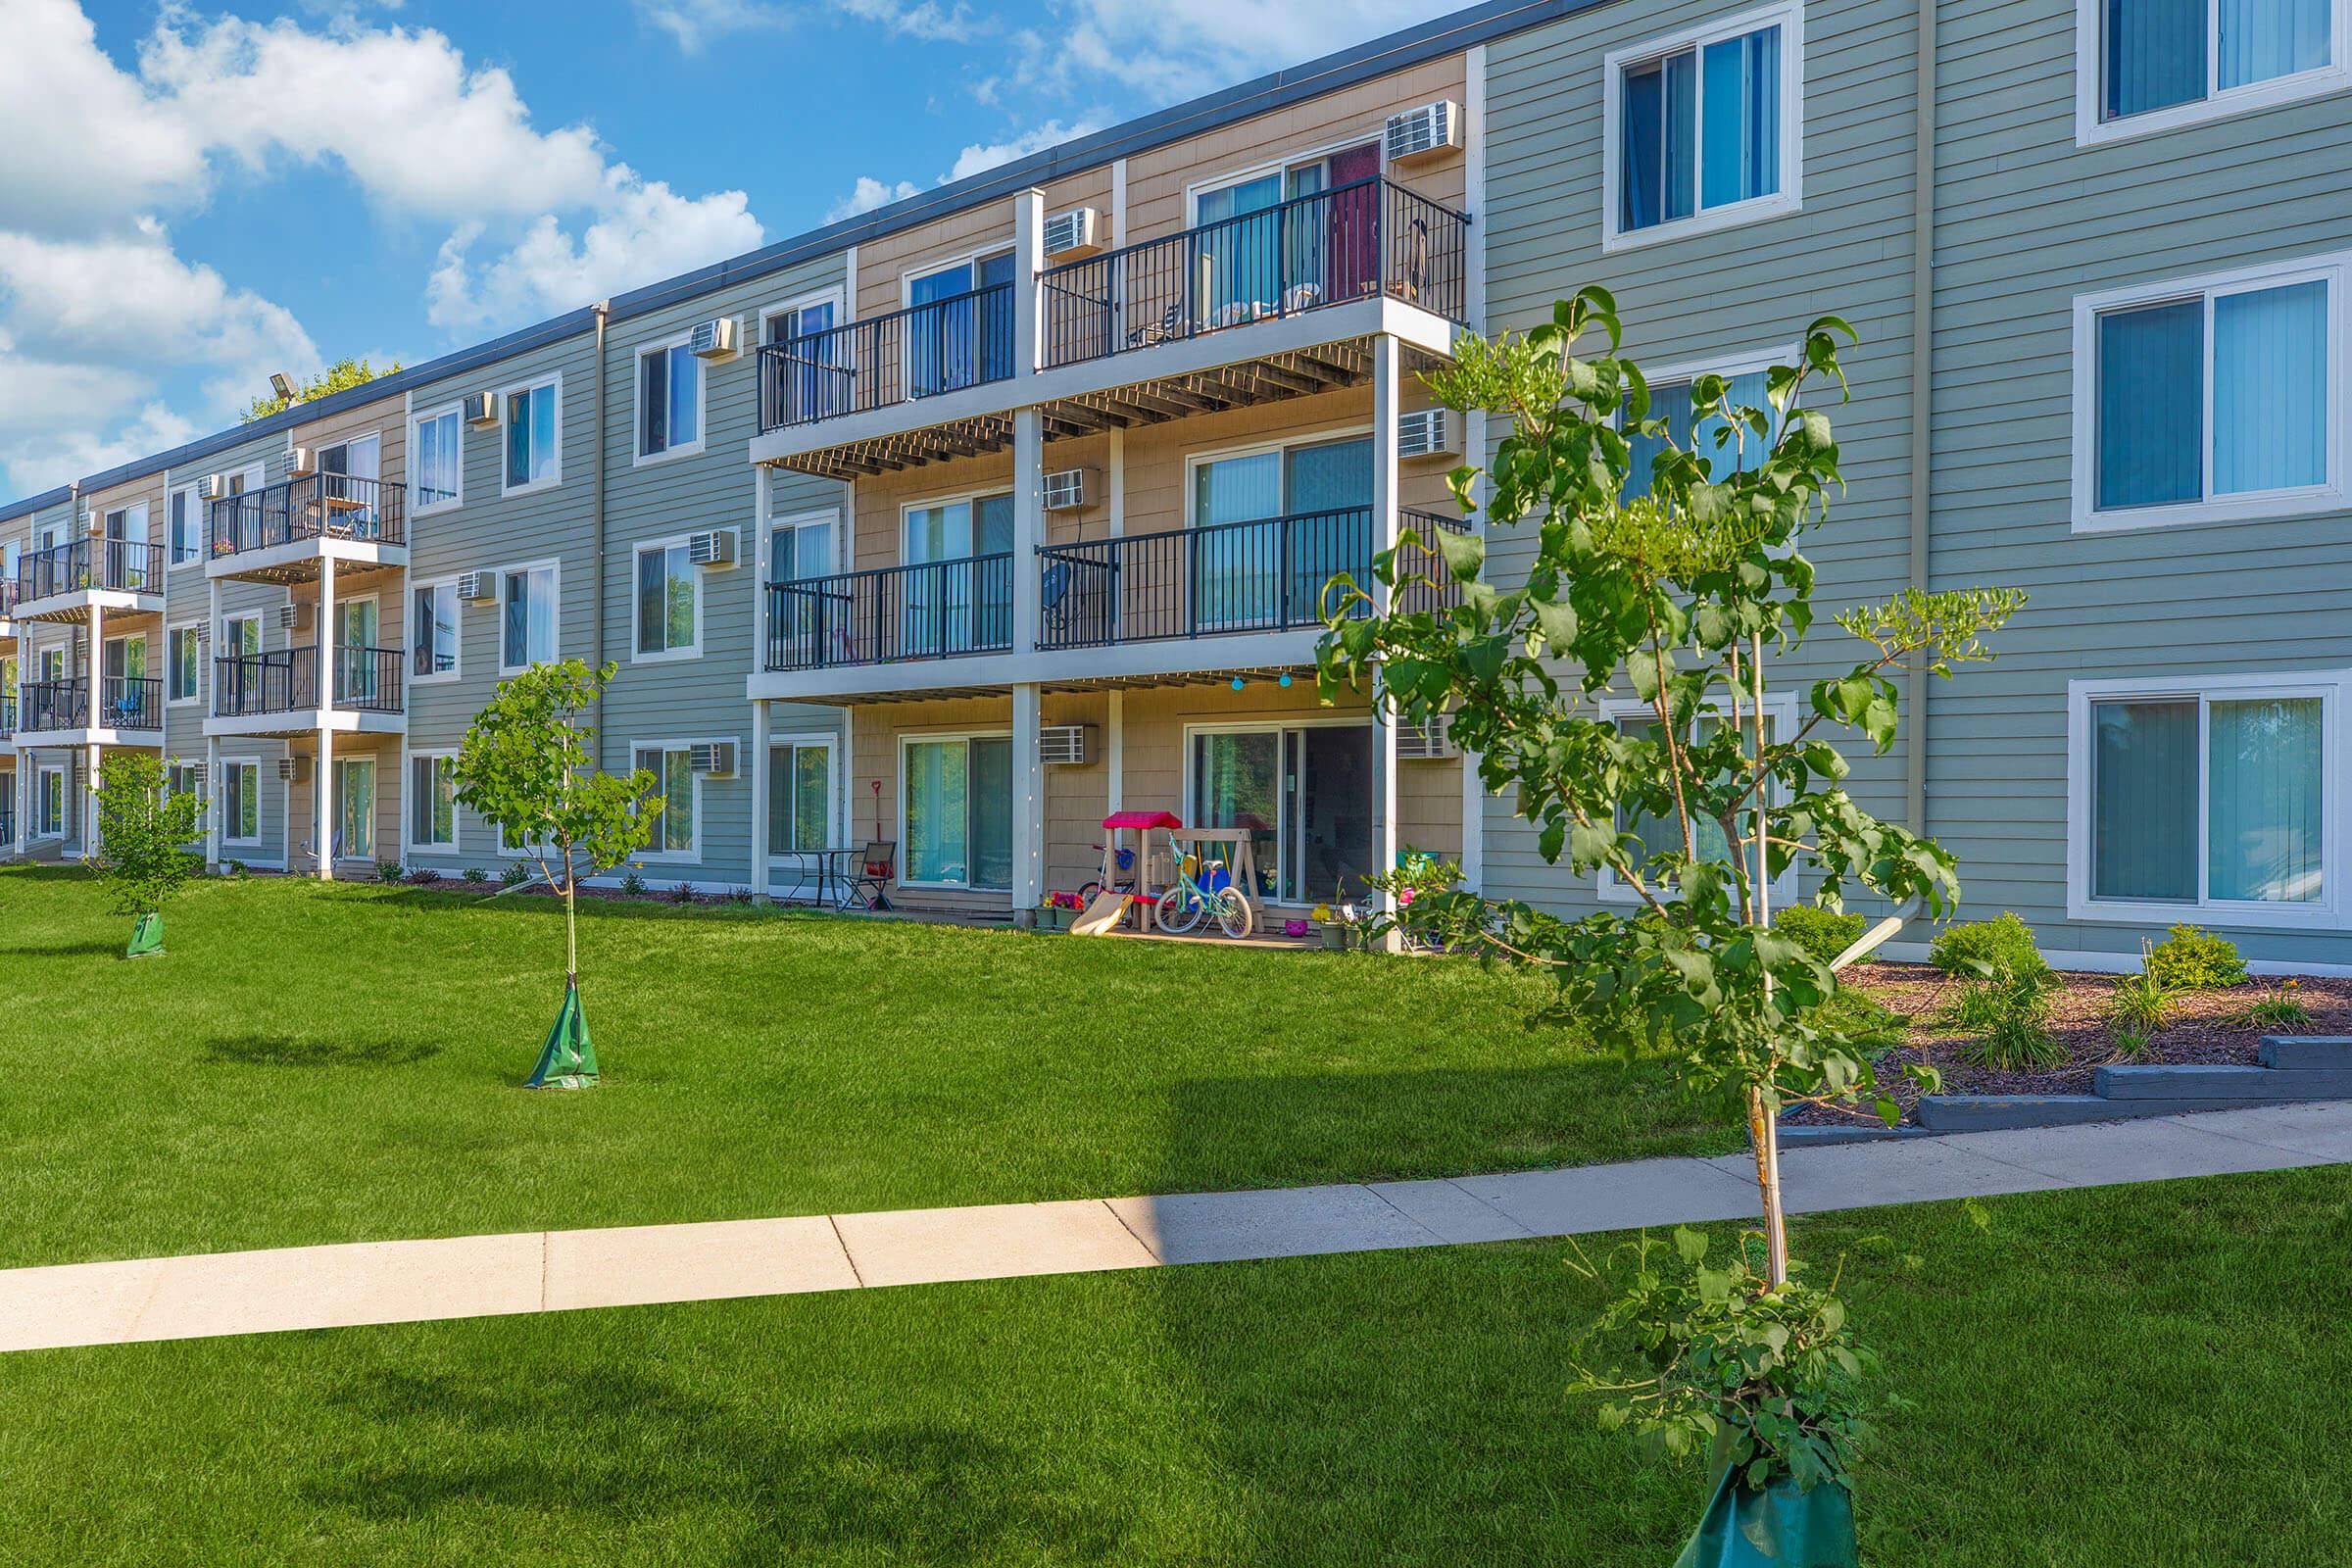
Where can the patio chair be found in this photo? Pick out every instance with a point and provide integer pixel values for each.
(1159, 331)
(870, 879)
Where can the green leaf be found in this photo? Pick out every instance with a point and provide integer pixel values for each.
(1464, 552)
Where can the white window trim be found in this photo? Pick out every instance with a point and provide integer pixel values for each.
(692, 854)
(1789, 198)
(221, 802)
(702, 405)
(833, 779)
(2324, 913)
(552, 565)
(1781, 709)
(1377, 138)
(898, 854)
(795, 521)
(456, 412)
(1260, 447)
(2334, 269)
(38, 829)
(457, 668)
(376, 804)
(408, 818)
(834, 295)
(553, 382)
(908, 276)
(200, 532)
(170, 649)
(972, 498)
(1187, 778)
(2219, 103)
(701, 585)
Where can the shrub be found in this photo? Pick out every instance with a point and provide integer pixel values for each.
(515, 876)
(2010, 1018)
(1822, 933)
(2131, 1043)
(1991, 950)
(2138, 1005)
(2192, 958)
(388, 871)
(683, 893)
(476, 875)
(1861, 1019)
(424, 874)
(633, 884)
(232, 868)
(2280, 1008)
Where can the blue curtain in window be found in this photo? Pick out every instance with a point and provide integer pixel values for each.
(2156, 54)
(2263, 778)
(1660, 137)
(1671, 403)
(1330, 524)
(1742, 105)
(2151, 405)
(2270, 389)
(2143, 809)
(2264, 38)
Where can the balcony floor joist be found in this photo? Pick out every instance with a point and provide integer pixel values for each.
(1151, 400)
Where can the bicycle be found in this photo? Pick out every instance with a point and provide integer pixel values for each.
(1093, 889)
(1204, 890)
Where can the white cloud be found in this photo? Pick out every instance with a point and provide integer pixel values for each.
(927, 19)
(81, 142)
(1167, 52)
(693, 23)
(869, 194)
(976, 158)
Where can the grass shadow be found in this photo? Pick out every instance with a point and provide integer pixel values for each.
(85, 949)
(282, 1051)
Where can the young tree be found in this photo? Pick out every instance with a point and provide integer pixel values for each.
(340, 376)
(528, 767)
(144, 829)
(1675, 590)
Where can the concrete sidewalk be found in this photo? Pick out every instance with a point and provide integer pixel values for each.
(552, 1271)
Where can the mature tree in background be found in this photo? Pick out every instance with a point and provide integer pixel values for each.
(340, 376)
(144, 830)
(1673, 592)
(528, 767)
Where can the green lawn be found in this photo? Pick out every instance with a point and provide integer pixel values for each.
(2150, 1375)
(331, 1064)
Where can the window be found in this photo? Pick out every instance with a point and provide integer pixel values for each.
(669, 400)
(528, 633)
(800, 547)
(433, 632)
(1303, 795)
(355, 809)
(436, 458)
(1663, 835)
(800, 794)
(2211, 400)
(669, 620)
(965, 603)
(49, 802)
(127, 557)
(240, 636)
(960, 332)
(432, 802)
(1275, 527)
(1704, 129)
(2210, 796)
(672, 767)
(179, 778)
(1670, 400)
(2152, 65)
(817, 384)
(241, 802)
(187, 657)
(186, 518)
(956, 809)
(535, 440)
(1287, 239)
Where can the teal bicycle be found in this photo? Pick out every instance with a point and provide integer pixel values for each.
(1204, 891)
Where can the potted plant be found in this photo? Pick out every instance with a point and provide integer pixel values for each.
(1328, 927)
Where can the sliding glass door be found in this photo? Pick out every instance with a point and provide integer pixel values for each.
(958, 810)
(1278, 526)
(1303, 796)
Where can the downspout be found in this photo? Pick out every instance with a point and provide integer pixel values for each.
(596, 491)
(1923, 393)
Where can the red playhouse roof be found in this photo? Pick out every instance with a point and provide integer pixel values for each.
(1142, 820)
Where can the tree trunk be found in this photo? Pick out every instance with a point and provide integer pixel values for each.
(1763, 1135)
(572, 928)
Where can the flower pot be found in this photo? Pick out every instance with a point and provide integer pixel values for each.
(1775, 1526)
(1335, 937)
(1056, 918)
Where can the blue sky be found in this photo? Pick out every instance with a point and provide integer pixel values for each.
(192, 197)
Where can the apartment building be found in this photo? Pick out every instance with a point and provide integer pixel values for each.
(967, 521)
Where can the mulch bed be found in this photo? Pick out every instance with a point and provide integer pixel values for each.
(2204, 1027)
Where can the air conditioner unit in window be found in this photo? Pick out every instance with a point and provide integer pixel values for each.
(196, 772)
(714, 339)
(716, 548)
(294, 769)
(481, 408)
(712, 758)
(1426, 434)
(1432, 742)
(1066, 745)
(478, 587)
(212, 486)
(203, 636)
(300, 464)
(1064, 490)
(1430, 132)
(294, 616)
(1072, 235)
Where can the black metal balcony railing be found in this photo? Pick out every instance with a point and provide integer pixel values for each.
(8, 714)
(1367, 239)
(921, 350)
(1272, 575)
(321, 505)
(286, 681)
(123, 703)
(8, 597)
(118, 564)
(939, 610)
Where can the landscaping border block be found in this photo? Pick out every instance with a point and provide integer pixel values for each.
(2306, 1052)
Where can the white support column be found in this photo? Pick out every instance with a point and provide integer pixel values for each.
(323, 787)
(1474, 791)
(1115, 481)
(1384, 537)
(1474, 446)
(1115, 752)
(1028, 260)
(90, 844)
(1028, 524)
(760, 790)
(92, 710)
(211, 803)
(1028, 800)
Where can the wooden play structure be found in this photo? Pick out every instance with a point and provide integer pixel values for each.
(1136, 875)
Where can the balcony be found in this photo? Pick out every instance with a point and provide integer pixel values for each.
(8, 714)
(279, 532)
(50, 583)
(8, 597)
(1276, 304)
(367, 680)
(939, 610)
(124, 703)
